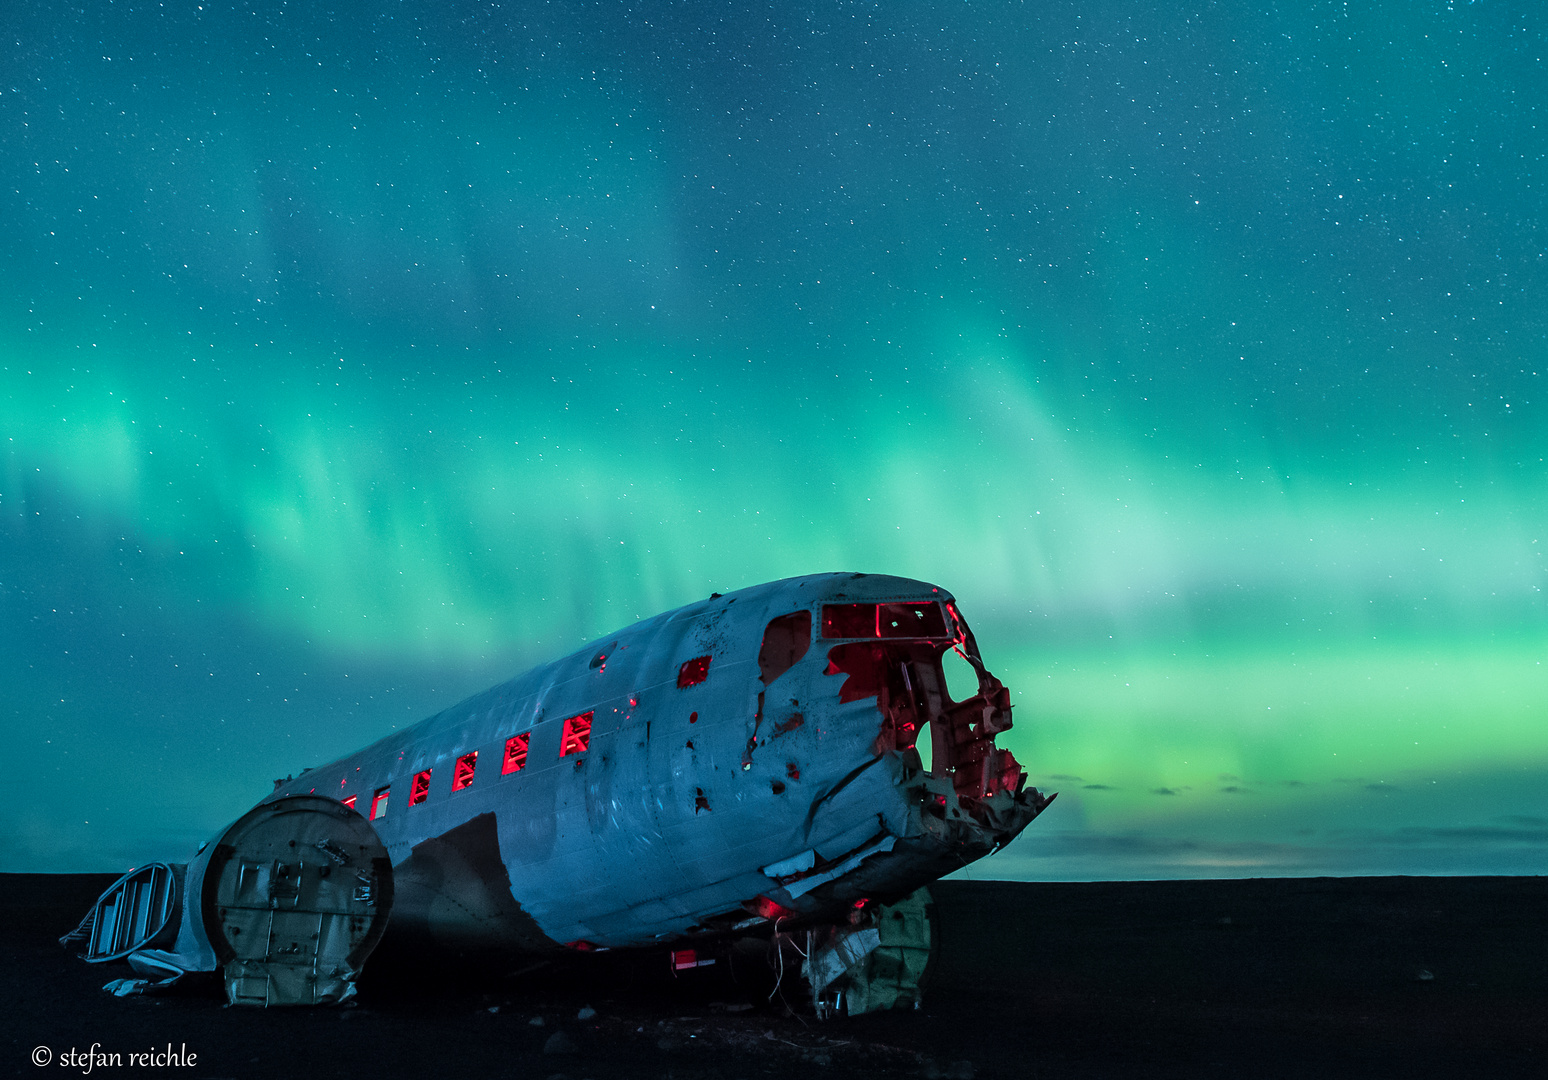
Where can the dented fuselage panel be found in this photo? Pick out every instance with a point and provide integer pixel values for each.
(752, 756)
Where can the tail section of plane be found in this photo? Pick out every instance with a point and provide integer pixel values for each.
(288, 902)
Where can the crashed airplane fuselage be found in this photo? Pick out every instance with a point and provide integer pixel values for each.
(748, 759)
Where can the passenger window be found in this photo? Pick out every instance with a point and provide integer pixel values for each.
(577, 735)
(463, 775)
(379, 803)
(419, 791)
(515, 753)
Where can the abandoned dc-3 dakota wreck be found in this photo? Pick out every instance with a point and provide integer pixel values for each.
(748, 765)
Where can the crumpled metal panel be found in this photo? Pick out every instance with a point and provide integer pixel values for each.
(688, 788)
(747, 759)
(877, 962)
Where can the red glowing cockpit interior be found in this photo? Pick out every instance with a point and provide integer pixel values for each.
(898, 661)
(917, 620)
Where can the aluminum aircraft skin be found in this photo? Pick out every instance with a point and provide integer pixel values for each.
(744, 760)
(752, 754)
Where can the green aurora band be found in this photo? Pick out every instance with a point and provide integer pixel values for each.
(1199, 359)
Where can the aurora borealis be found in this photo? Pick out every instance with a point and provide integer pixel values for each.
(352, 361)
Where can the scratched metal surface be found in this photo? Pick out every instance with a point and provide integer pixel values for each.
(658, 825)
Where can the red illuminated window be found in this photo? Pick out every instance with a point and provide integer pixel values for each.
(379, 803)
(349, 802)
(516, 753)
(464, 773)
(921, 620)
(420, 790)
(577, 735)
(693, 672)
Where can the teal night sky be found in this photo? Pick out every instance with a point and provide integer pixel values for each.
(351, 362)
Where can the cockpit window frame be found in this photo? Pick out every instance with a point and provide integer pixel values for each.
(885, 620)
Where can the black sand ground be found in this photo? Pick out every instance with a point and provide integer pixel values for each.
(1360, 977)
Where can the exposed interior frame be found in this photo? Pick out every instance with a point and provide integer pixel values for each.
(909, 683)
